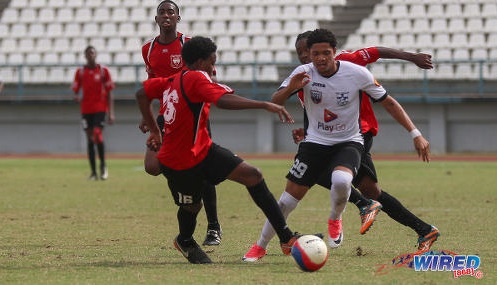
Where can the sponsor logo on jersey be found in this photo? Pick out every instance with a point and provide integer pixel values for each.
(318, 84)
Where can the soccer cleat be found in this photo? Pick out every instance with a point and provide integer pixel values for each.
(192, 252)
(425, 242)
(368, 215)
(104, 173)
(213, 237)
(93, 177)
(255, 253)
(286, 247)
(335, 233)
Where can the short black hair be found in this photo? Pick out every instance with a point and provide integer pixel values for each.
(197, 48)
(170, 2)
(88, 48)
(304, 35)
(321, 36)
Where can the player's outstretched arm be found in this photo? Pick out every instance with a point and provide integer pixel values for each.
(422, 60)
(421, 145)
(236, 102)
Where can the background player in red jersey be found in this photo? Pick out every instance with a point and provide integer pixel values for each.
(96, 102)
(189, 159)
(162, 58)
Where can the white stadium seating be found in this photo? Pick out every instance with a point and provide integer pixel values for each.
(56, 32)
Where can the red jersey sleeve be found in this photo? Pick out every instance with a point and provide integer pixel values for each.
(199, 87)
(362, 56)
(108, 83)
(155, 87)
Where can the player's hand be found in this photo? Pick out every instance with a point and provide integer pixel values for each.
(298, 135)
(422, 147)
(285, 117)
(299, 80)
(154, 141)
(76, 98)
(143, 127)
(111, 119)
(423, 60)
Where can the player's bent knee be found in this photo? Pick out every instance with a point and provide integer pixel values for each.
(341, 180)
(98, 135)
(192, 208)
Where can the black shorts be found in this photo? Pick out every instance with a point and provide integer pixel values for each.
(367, 166)
(314, 160)
(93, 120)
(187, 186)
(366, 169)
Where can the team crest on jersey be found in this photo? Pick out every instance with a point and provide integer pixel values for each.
(176, 61)
(342, 98)
(316, 96)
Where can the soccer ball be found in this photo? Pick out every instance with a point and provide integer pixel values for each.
(310, 253)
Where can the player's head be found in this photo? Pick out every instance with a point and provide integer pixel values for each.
(301, 47)
(90, 54)
(167, 15)
(322, 49)
(200, 53)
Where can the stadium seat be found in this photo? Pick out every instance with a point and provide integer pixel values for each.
(46, 15)
(93, 3)
(98, 42)
(27, 15)
(228, 56)
(199, 27)
(233, 73)
(75, 3)
(309, 25)
(78, 44)
(126, 29)
(43, 45)
(119, 14)
(15, 58)
(264, 56)
(479, 54)
(139, 14)
(477, 40)
(83, 15)
(38, 75)
(131, 3)
(112, 3)
(72, 29)
(9, 45)
(279, 42)
(241, 43)
(10, 15)
(114, 44)
(38, 4)
(284, 56)
(65, 15)
(443, 54)
(453, 10)
(108, 29)
(260, 42)
(417, 10)
(61, 45)
(255, 27)
(224, 42)
(389, 40)
(471, 10)
(68, 58)
(122, 58)
(90, 29)
(422, 25)
(403, 25)
(223, 13)
(438, 25)
(489, 10)
(33, 58)
(291, 26)
(18, 30)
(460, 54)
(273, 27)
(267, 73)
(102, 14)
(57, 74)
(236, 27)
(435, 10)
(55, 3)
(26, 45)
(218, 27)
(456, 25)
(104, 57)
(399, 11)
(206, 12)
(19, 3)
(386, 26)
(247, 56)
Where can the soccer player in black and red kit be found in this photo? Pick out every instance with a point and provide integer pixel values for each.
(188, 157)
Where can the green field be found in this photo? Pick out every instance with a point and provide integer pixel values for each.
(59, 228)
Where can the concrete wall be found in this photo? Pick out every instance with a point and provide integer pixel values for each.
(55, 128)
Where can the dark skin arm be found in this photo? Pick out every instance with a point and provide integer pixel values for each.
(422, 60)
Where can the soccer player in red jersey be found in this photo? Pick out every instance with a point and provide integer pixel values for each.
(162, 58)
(188, 157)
(96, 103)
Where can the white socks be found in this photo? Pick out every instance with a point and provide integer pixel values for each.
(287, 204)
(341, 182)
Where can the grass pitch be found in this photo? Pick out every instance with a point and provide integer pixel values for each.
(59, 228)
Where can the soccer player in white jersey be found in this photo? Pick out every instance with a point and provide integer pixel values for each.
(331, 98)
